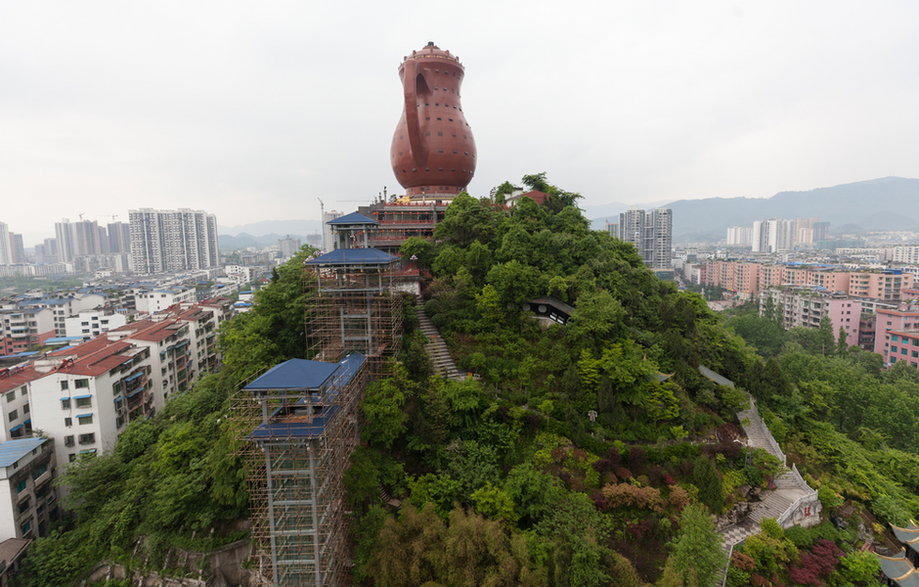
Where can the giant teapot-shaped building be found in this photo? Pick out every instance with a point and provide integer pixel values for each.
(433, 152)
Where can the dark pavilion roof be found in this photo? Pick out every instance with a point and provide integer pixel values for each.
(555, 303)
(352, 218)
(353, 257)
(717, 378)
(908, 535)
(899, 569)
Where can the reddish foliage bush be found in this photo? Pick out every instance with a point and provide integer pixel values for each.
(623, 473)
(641, 529)
(743, 562)
(730, 449)
(728, 432)
(603, 465)
(678, 498)
(816, 565)
(628, 495)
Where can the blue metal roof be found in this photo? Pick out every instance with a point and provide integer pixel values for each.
(13, 450)
(294, 374)
(285, 430)
(353, 257)
(352, 218)
(62, 339)
(304, 374)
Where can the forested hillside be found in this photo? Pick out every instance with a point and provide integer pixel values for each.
(589, 453)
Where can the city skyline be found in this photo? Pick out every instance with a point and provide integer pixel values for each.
(229, 112)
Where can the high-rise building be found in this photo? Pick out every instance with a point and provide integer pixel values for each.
(172, 240)
(288, 246)
(17, 248)
(119, 237)
(77, 239)
(6, 254)
(651, 232)
(327, 240)
(739, 236)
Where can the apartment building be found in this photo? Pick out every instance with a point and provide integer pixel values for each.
(172, 240)
(651, 233)
(15, 406)
(64, 307)
(748, 278)
(807, 306)
(21, 329)
(6, 251)
(896, 335)
(28, 498)
(84, 396)
(92, 323)
(157, 300)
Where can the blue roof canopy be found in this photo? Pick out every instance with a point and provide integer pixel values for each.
(13, 450)
(294, 374)
(352, 218)
(353, 257)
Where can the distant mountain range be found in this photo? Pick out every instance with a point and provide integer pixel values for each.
(888, 203)
(264, 233)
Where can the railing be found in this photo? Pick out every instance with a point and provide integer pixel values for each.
(727, 566)
(794, 506)
(774, 447)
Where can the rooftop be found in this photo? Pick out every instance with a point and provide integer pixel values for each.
(353, 257)
(294, 374)
(13, 450)
(352, 218)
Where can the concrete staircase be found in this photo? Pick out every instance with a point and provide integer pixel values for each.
(436, 348)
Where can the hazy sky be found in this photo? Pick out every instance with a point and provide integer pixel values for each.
(251, 110)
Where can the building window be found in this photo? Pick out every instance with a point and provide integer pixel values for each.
(26, 527)
(82, 383)
(87, 438)
(23, 391)
(87, 419)
(24, 505)
(10, 397)
(68, 422)
(68, 440)
(65, 385)
(26, 409)
(84, 402)
(13, 415)
(65, 404)
(21, 486)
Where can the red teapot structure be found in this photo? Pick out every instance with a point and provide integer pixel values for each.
(433, 152)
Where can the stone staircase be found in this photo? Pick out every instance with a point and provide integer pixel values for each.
(790, 490)
(436, 348)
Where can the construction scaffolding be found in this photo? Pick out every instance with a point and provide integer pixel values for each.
(306, 431)
(355, 306)
(299, 421)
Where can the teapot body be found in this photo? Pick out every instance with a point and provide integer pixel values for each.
(433, 152)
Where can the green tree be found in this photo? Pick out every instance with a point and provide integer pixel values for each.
(466, 220)
(697, 553)
(706, 477)
(597, 317)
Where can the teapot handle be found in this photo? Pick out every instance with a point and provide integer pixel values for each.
(412, 117)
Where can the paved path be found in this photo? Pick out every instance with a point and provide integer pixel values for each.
(789, 486)
(436, 348)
